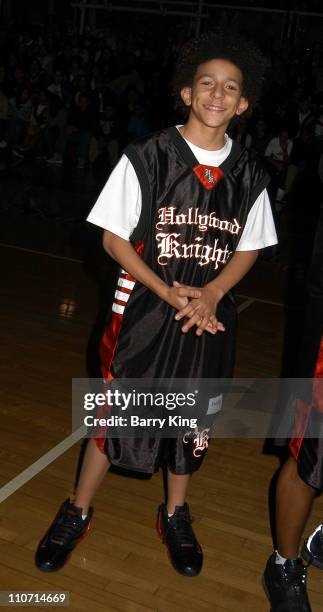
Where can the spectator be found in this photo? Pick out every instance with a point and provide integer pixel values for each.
(302, 159)
(110, 132)
(82, 123)
(81, 86)
(257, 138)
(37, 123)
(60, 88)
(46, 60)
(301, 115)
(53, 131)
(22, 107)
(18, 82)
(277, 155)
(76, 69)
(37, 75)
(138, 123)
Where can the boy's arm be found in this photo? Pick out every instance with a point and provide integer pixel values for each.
(123, 252)
(201, 311)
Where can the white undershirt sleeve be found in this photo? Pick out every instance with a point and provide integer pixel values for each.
(118, 206)
(259, 231)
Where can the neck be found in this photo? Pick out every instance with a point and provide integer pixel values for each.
(203, 136)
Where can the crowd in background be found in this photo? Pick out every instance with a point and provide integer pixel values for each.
(64, 96)
(79, 99)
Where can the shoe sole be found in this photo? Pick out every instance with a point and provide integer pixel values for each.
(307, 556)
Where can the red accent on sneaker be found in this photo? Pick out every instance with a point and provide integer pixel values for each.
(159, 526)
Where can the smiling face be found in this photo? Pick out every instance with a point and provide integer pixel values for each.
(215, 96)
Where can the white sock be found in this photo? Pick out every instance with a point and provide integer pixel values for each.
(83, 515)
(279, 560)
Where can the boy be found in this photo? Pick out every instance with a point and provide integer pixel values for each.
(301, 478)
(185, 212)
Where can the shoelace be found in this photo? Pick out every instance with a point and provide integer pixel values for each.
(181, 523)
(66, 526)
(295, 577)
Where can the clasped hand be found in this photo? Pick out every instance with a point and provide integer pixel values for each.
(198, 306)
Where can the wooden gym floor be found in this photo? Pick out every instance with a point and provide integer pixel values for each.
(48, 306)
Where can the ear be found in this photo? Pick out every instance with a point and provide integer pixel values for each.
(186, 95)
(243, 105)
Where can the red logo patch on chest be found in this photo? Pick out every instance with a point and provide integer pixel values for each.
(209, 176)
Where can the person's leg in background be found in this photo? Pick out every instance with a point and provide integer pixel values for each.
(285, 574)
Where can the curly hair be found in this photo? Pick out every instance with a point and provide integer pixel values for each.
(218, 45)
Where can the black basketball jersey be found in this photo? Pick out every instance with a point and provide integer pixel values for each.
(191, 221)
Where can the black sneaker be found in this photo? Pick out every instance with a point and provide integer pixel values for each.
(67, 529)
(285, 586)
(176, 532)
(312, 550)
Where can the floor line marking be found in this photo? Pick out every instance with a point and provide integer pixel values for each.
(17, 248)
(255, 299)
(245, 304)
(16, 483)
